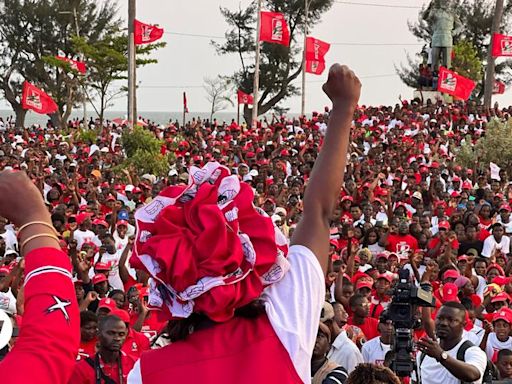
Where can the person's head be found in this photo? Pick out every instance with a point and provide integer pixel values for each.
(470, 233)
(450, 321)
(88, 326)
(119, 297)
(386, 327)
(323, 342)
(498, 231)
(480, 267)
(340, 314)
(359, 305)
(372, 374)
(112, 333)
(504, 363)
(403, 228)
(382, 262)
(109, 243)
(79, 290)
(383, 284)
(347, 289)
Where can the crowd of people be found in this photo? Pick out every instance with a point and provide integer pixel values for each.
(405, 203)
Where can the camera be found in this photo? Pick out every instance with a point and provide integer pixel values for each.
(406, 298)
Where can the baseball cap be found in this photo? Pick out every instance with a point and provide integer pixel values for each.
(98, 278)
(121, 313)
(502, 296)
(501, 280)
(364, 284)
(385, 276)
(102, 266)
(505, 207)
(129, 188)
(504, 315)
(107, 302)
(382, 255)
(450, 292)
(327, 312)
(443, 225)
(103, 223)
(466, 185)
(122, 215)
(81, 217)
(122, 222)
(451, 274)
(417, 195)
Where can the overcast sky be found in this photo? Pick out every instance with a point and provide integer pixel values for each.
(185, 61)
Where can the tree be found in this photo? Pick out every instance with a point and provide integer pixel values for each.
(32, 32)
(143, 152)
(495, 146)
(279, 65)
(218, 91)
(107, 61)
(476, 18)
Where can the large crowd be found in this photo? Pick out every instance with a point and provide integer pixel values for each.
(405, 203)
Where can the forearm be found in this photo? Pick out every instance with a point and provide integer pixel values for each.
(461, 370)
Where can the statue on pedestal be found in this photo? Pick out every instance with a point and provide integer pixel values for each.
(445, 24)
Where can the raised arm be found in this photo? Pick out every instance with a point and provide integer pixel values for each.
(343, 88)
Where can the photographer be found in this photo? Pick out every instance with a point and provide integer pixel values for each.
(437, 362)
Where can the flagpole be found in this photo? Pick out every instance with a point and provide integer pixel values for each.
(303, 101)
(131, 63)
(491, 61)
(257, 70)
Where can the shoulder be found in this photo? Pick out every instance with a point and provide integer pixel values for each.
(337, 375)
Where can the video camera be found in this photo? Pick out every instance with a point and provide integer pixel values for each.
(406, 298)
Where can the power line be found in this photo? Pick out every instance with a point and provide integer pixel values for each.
(379, 5)
(195, 35)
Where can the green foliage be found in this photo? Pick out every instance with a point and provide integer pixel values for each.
(495, 146)
(476, 19)
(88, 135)
(279, 65)
(143, 152)
(466, 61)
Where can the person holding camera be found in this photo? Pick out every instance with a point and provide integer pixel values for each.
(438, 360)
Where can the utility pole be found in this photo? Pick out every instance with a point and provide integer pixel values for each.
(257, 70)
(77, 27)
(491, 61)
(303, 101)
(132, 108)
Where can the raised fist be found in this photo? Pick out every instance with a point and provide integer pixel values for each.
(342, 86)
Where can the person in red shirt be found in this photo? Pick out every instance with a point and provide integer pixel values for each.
(88, 333)
(438, 244)
(402, 243)
(360, 307)
(135, 342)
(110, 364)
(380, 300)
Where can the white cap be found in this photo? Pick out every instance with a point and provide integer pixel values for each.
(129, 188)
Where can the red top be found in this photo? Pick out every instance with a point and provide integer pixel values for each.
(401, 244)
(369, 327)
(87, 349)
(135, 344)
(238, 351)
(85, 374)
(46, 350)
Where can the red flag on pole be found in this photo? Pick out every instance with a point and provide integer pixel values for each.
(146, 33)
(499, 88)
(245, 98)
(274, 29)
(37, 100)
(75, 64)
(315, 67)
(316, 49)
(454, 84)
(185, 107)
(501, 45)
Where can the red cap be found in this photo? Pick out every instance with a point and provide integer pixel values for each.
(81, 217)
(462, 258)
(107, 302)
(503, 296)
(364, 284)
(102, 266)
(385, 276)
(504, 315)
(451, 274)
(99, 278)
(443, 225)
(122, 222)
(455, 179)
(334, 243)
(450, 292)
(121, 313)
(501, 280)
(466, 185)
(347, 198)
(434, 164)
(382, 255)
(505, 207)
(5, 270)
(100, 222)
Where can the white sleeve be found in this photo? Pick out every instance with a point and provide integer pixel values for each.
(487, 250)
(293, 307)
(135, 376)
(477, 358)
(365, 353)
(354, 359)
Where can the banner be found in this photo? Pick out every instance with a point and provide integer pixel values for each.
(454, 84)
(244, 98)
(75, 64)
(185, 106)
(274, 29)
(37, 100)
(495, 172)
(315, 67)
(316, 49)
(501, 45)
(146, 33)
(499, 88)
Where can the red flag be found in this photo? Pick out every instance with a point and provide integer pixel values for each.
(146, 33)
(316, 49)
(37, 100)
(501, 45)
(75, 64)
(274, 29)
(454, 84)
(499, 88)
(185, 107)
(315, 67)
(245, 98)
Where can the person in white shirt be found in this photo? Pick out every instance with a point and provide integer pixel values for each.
(493, 342)
(437, 360)
(344, 351)
(504, 218)
(83, 234)
(496, 242)
(374, 351)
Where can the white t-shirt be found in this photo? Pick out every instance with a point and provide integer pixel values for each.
(82, 237)
(293, 307)
(8, 302)
(113, 276)
(490, 245)
(374, 351)
(431, 372)
(494, 346)
(345, 353)
(11, 242)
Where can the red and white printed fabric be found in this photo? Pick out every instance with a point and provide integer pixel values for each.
(208, 249)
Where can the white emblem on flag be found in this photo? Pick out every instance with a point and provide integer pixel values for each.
(316, 48)
(34, 100)
(314, 66)
(277, 29)
(146, 32)
(506, 46)
(449, 82)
